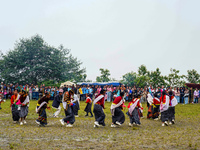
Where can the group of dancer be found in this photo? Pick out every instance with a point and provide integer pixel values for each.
(163, 106)
(19, 106)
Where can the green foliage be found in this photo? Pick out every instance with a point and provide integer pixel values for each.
(129, 79)
(193, 76)
(143, 76)
(51, 83)
(142, 71)
(104, 77)
(142, 81)
(34, 61)
(156, 79)
(173, 79)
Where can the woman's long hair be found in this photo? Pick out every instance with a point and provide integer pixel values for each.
(163, 95)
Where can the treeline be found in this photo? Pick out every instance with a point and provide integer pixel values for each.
(33, 61)
(143, 77)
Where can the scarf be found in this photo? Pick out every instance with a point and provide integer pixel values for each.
(132, 107)
(149, 98)
(38, 109)
(113, 106)
(98, 98)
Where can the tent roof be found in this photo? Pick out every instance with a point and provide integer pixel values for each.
(193, 85)
(99, 83)
(67, 83)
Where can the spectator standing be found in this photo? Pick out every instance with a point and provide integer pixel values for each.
(196, 95)
(177, 94)
(109, 90)
(36, 89)
(30, 93)
(181, 95)
(186, 96)
(65, 88)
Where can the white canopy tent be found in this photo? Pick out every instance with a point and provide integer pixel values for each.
(69, 83)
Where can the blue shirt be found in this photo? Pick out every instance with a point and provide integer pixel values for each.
(84, 90)
(90, 90)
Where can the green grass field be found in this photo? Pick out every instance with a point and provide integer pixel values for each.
(185, 134)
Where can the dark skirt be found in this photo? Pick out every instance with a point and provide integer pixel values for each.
(15, 113)
(88, 107)
(42, 116)
(23, 112)
(99, 114)
(150, 112)
(76, 108)
(135, 116)
(156, 111)
(164, 116)
(118, 116)
(69, 113)
(171, 112)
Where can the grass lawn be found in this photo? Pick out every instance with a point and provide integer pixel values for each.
(185, 134)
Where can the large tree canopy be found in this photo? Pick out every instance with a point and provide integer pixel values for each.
(32, 61)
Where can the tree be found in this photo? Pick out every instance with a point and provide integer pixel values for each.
(156, 79)
(142, 71)
(193, 76)
(33, 61)
(142, 81)
(104, 77)
(143, 76)
(129, 79)
(173, 79)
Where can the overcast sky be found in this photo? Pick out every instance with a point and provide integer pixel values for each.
(119, 35)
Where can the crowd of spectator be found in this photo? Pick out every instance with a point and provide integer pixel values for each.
(183, 94)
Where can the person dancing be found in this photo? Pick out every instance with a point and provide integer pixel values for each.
(118, 117)
(23, 104)
(41, 109)
(98, 109)
(68, 107)
(14, 107)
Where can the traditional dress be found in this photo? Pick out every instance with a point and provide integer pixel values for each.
(164, 108)
(68, 107)
(76, 106)
(14, 107)
(23, 104)
(135, 108)
(41, 110)
(98, 110)
(56, 104)
(149, 105)
(116, 111)
(156, 107)
(88, 106)
(172, 103)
